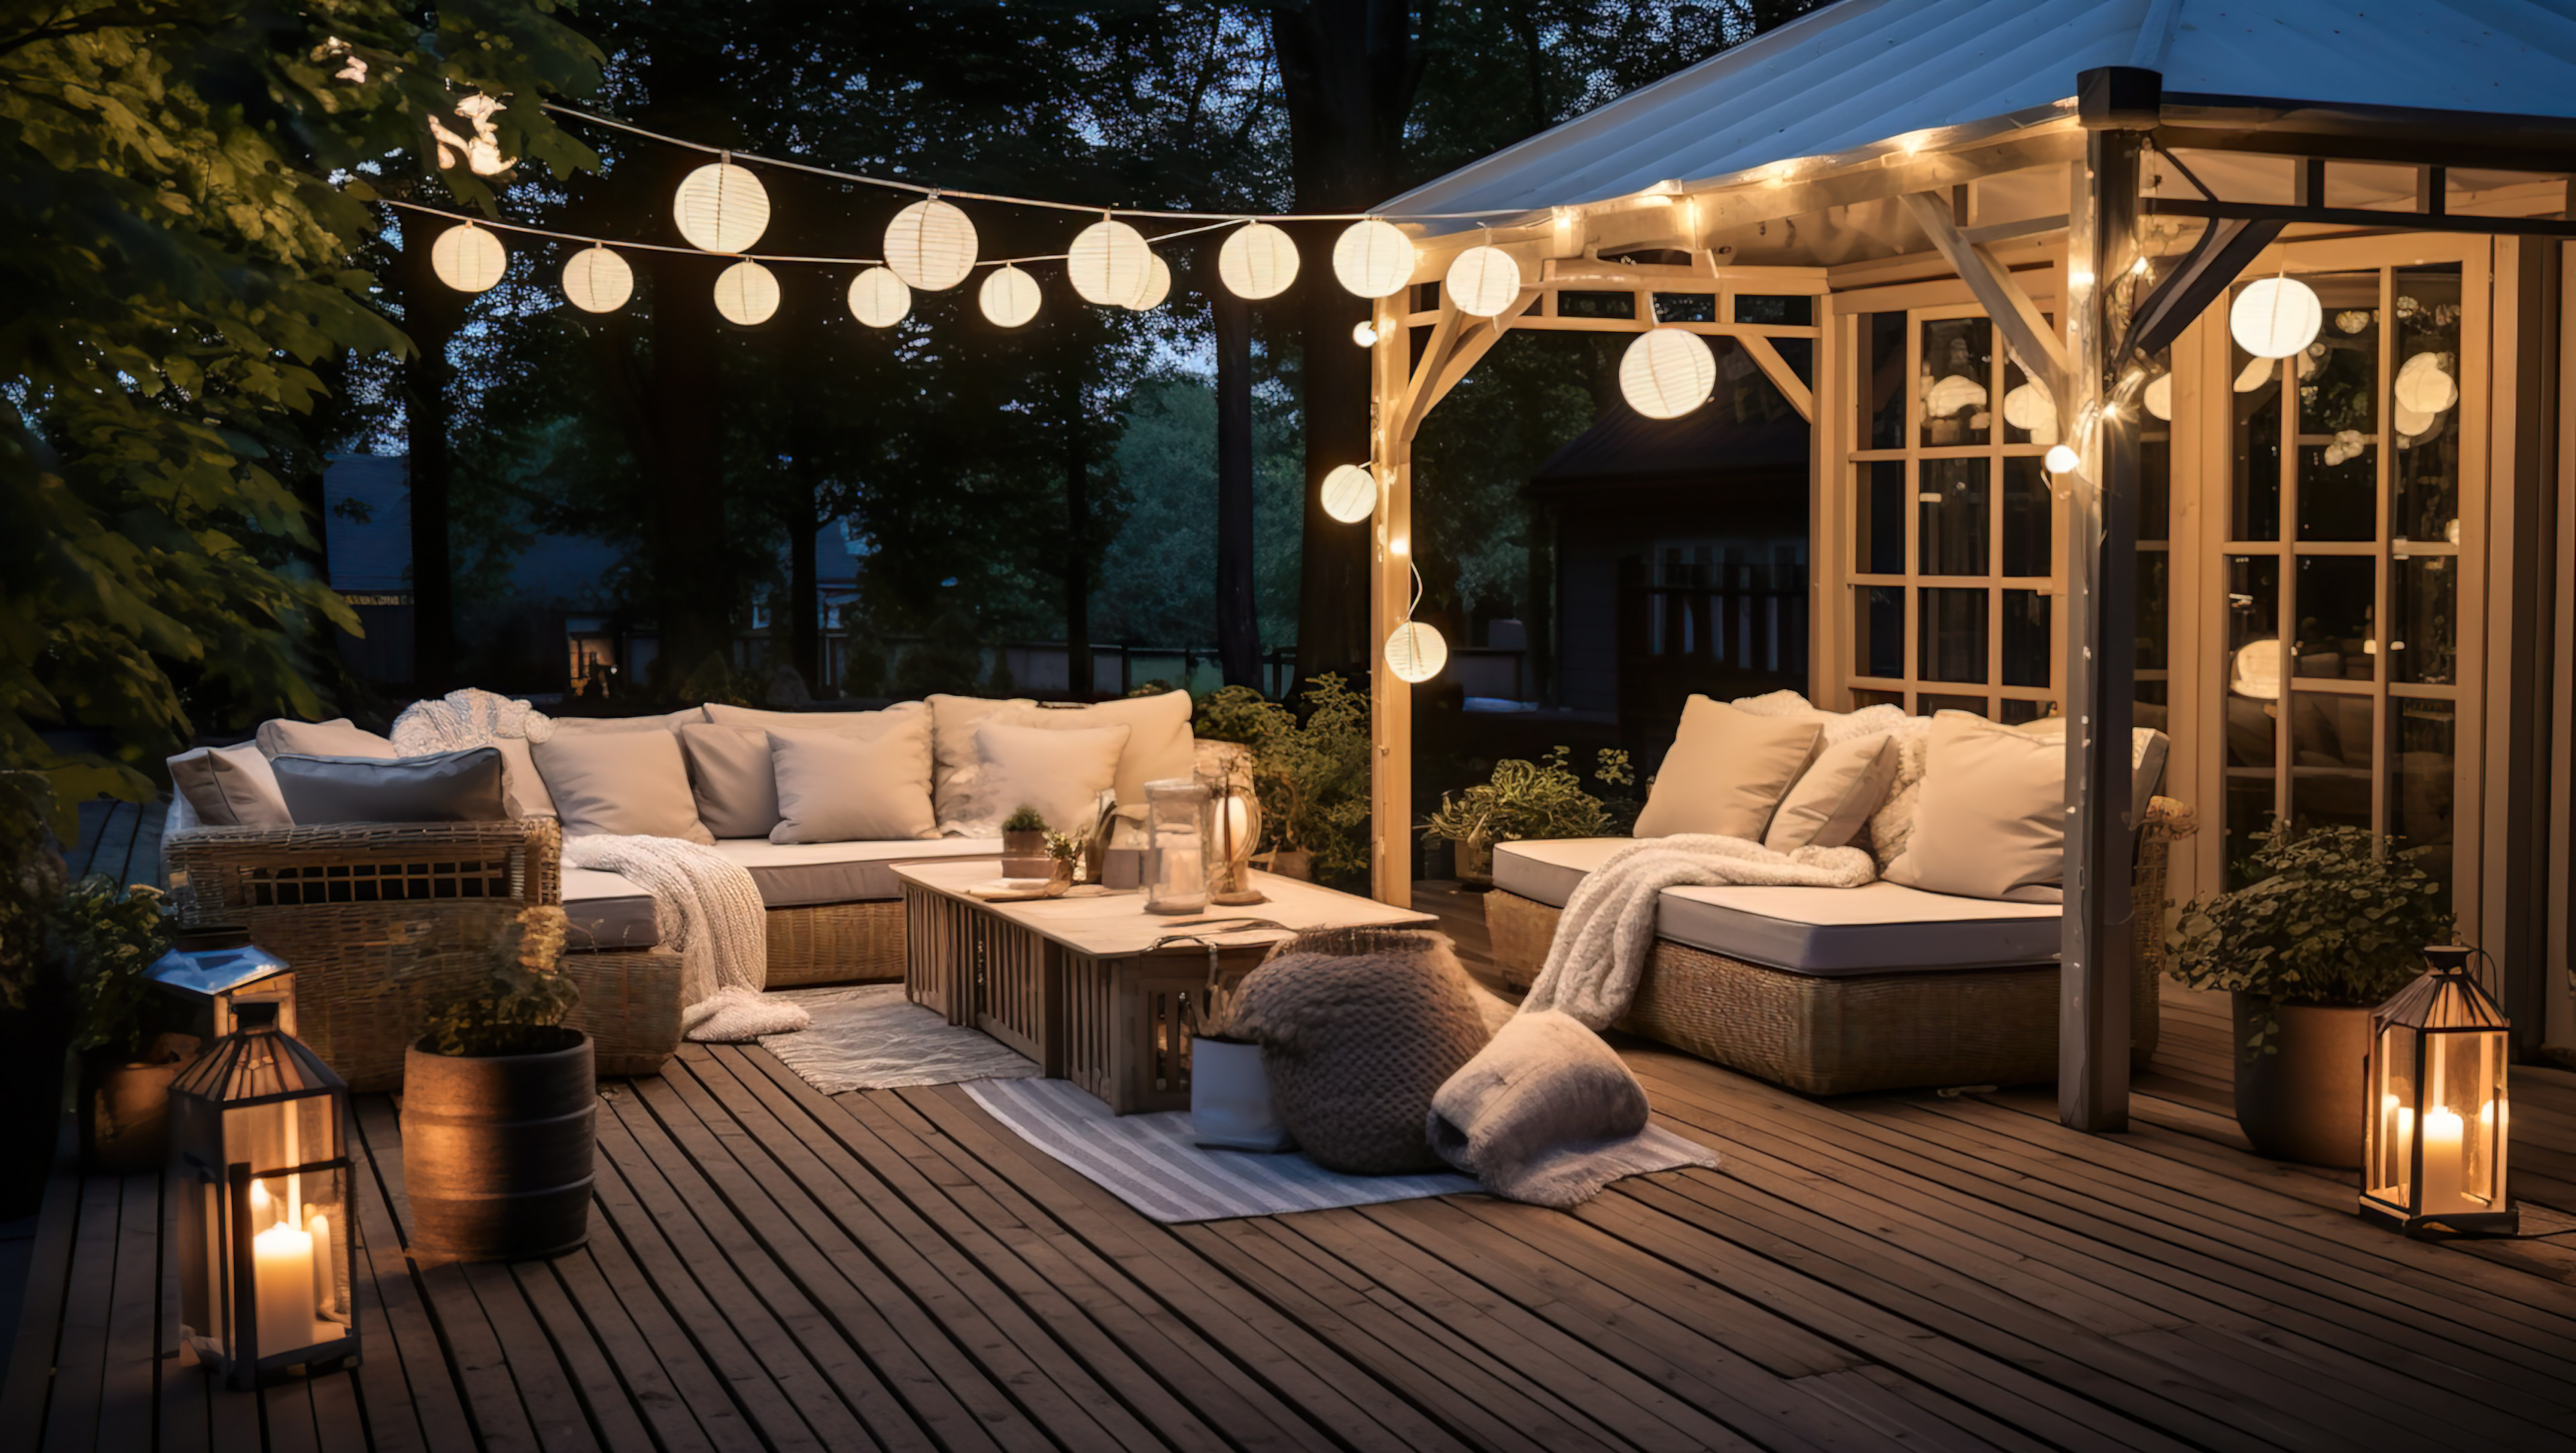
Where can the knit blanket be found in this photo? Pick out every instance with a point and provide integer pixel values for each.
(706, 906)
(468, 718)
(1609, 925)
(1546, 1113)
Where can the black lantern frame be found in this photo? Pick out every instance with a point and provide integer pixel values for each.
(2438, 1132)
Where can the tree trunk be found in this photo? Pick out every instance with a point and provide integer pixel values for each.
(432, 312)
(1238, 619)
(1077, 534)
(693, 581)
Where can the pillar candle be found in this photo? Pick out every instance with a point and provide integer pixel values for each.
(282, 1287)
(2443, 1148)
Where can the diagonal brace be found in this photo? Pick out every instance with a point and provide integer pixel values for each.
(2203, 277)
(2024, 327)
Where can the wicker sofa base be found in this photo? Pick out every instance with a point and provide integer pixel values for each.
(836, 943)
(1833, 1036)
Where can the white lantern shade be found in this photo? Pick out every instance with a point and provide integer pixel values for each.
(2409, 422)
(878, 298)
(1667, 372)
(2028, 405)
(746, 293)
(1364, 333)
(722, 208)
(930, 245)
(468, 258)
(1373, 259)
(2158, 398)
(1158, 285)
(1257, 261)
(1109, 263)
(2061, 460)
(1415, 652)
(2275, 317)
(1349, 493)
(1483, 281)
(2423, 387)
(1009, 297)
(598, 280)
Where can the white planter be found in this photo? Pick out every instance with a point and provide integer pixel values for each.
(1230, 1098)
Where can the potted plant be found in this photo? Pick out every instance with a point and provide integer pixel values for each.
(499, 1103)
(1230, 1106)
(1064, 857)
(1024, 844)
(107, 937)
(1312, 776)
(2336, 922)
(1524, 800)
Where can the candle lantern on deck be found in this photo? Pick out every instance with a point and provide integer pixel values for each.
(215, 967)
(1234, 825)
(261, 1169)
(2434, 1142)
(1178, 829)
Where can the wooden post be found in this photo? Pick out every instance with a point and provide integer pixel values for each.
(1390, 591)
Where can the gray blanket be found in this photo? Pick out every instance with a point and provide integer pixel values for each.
(1549, 1114)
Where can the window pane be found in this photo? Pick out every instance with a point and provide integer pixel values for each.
(2256, 507)
(1685, 307)
(1792, 308)
(1973, 705)
(2252, 686)
(2423, 776)
(2028, 400)
(2426, 644)
(1878, 631)
(2339, 413)
(2155, 597)
(1958, 367)
(2027, 657)
(1867, 696)
(2331, 757)
(2337, 602)
(1882, 380)
(1955, 512)
(1952, 635)
(2425, 413)
(2030, 521)
(1878, 518)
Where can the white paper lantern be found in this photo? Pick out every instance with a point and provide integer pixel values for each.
(2423, 386)
(1109, 263)
(1483, 281)
(2027, 405)
(468, 258)
(878, 298)
(2061, 460)
(1953, 394)
(1415, 652)
(1009, 297)
(930, 245)
(1667, 372)
(1373, 259)
(598, 280)
(746, 293)
(722, 208)
(1349, 493)
(1364, 333)
(1257, 261)
(2410, 423)
(1158, 285)
(2275, 317)
(2158, 398)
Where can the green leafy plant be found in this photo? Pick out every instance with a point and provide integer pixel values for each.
(1312, 776)
(107, 937)
(2340, 917)
(522, 1010)
(1529, 800)
(1024, 818)
(1065, 847)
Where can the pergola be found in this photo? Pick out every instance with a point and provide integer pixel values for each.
(2090, 178)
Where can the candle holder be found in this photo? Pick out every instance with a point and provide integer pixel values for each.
(1177, 826)
(261, 1169)
(1234, 819)
(2435, 1137)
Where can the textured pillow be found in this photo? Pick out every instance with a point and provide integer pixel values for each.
(1727, 771)
(441, 787)
(631, 783)
(841, 787)
(1159, 745)
(230, 787)
(1833, 801)
(338, 737)
(1991, 822)
(956, 762)
(2147, 749)
(1059, 771)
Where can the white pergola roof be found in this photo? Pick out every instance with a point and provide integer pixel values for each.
(1867, 71)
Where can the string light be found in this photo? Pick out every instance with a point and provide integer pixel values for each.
(597, 280)
(1109, 263)
(931, 245)
(878, 298)
(1258, 261)
(1364, 333)
(1483, 281)
(747, 294)
(1349, 493)
(1009, 297)
(467, 258)
(1415, 651)
(1158, 285)
(2275, 317)
(1373, 258)
(721, 208)
(1667, 372)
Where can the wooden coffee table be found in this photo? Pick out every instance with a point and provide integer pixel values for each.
(1076, 984)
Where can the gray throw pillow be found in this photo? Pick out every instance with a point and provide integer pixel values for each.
(443, 787)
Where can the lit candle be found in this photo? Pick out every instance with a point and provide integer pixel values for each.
(2397, 1133)
(326, 1283)
(2443, 1145)
(282, 1287)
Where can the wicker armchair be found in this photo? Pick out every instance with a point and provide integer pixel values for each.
(388, 923)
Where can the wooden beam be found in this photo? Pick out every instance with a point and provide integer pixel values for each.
(1394, 380)
(2288, 213)
(1783, 377)
(1444, 336)
(2203, 277)
(2024, 327)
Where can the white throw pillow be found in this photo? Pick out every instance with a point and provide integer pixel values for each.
(1159, 744)
(630, 783)
(1059, 771)
(729, 760)
(956, 761)
(2147, 748)
(1833, 801)
(805, 721)
(1726, 772)
(338, 737)
(839, 787)
(1991, 821)
(230, 787)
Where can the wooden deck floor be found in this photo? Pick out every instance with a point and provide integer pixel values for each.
(770, 1267)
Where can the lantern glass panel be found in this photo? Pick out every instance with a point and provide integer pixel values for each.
(1176, 864)
(2392, 1130)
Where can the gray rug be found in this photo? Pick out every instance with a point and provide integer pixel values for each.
(869, 1037)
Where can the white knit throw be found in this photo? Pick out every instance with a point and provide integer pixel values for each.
(467, 718)
(1601, 943)
(706, 906)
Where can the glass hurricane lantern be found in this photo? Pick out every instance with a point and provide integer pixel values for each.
(2435, 1139)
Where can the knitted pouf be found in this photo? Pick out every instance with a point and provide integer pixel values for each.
(1358, 1028)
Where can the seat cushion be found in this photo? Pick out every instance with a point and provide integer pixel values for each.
(795, 875)
(1827, 932)
(604, 910)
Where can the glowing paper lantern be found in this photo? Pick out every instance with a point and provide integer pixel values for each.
(2423, 387)
(1483, 281)
(598, 280)
(2410, 423)
(722, 208)
(1667, 372)
(1109, 263)
(878, 298)
(1415, 652)
(1364, 334)
(930, 245)
(1258, 261)
(1373, 259)
(1158, 285)
(1009, 297)
(1349, 493)
(1954, 394)
(2275, 317)
(2158, 399)
(2061, 460)
(746, 293)
(467, 258)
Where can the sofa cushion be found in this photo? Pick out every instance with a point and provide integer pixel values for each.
(1834, 799)
(796, 875)
(624, 782)
(603, 910)
(338, 737)
(848, 786)
(1159, 746)
(669, 721)
(954, 760)
(819, 721)
(730, 768)
(439, 787)
(229, 787)
(1727, 771)
(1060, 772)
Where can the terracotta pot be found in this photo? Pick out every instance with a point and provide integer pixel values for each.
(497, 1151)
(2304, 1102)
(1024, 845)
(1230, 1105)
(125, 1114)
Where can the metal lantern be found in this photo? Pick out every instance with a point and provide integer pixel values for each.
(260, 1163)
(1178, 828)
(215, 968)
(2434, 1142)
(1234, 825)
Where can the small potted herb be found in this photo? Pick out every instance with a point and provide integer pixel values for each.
(1524, 801)
(1024, 844)
(1064, 857)
(108, 937)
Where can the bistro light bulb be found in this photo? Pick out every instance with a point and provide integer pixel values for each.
(1364, 334)
(2275, 317)
(930, 245)
(598, 280)
(1416, 652)
(1109, 263)
(2159, 397)
(746, 293)
(1667, 372)
(1483, 281)
(2062, 460)
(878, 298)
(1257, 261)
(1009, 297)
(1158, 285)
(722, 208)
(467, 258)
(1373, 259)
(1349, 494)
